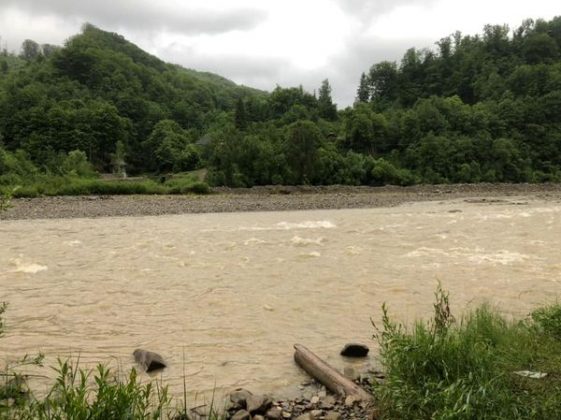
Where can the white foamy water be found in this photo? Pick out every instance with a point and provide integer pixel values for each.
(224, 297)
(20, 266)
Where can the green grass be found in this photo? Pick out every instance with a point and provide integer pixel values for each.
(82, 394)
(74, 186)
(95, 394)
(465, 369)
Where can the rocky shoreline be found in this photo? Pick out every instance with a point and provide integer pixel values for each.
(315, 403)
(270, 198)
(320, 405)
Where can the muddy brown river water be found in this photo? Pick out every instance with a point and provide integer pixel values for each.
(223, 297)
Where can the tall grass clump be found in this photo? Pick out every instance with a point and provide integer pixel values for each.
(466, 369)
(98, 394)
(88, 394)
(14, 393)
(548, 319)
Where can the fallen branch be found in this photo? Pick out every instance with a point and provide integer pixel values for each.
(327, 375)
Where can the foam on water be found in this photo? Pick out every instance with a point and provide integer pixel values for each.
(298, 241)
(318, 224)
(311, 224)
(20, 266)
(502, 257)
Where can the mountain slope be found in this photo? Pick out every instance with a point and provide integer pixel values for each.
(100, 89)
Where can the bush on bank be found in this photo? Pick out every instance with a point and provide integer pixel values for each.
(467, 368)
(477, 367)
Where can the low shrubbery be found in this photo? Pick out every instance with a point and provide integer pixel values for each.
(466, 369)
(80, 394)
(74, 175)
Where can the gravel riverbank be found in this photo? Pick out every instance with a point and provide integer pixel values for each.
(273, 198)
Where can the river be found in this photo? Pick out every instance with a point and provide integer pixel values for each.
(223, 297)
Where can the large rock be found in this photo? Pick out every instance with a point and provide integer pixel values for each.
(241, 415)
(149, 361)
(239, 397)
(355, 350)
(257, 404)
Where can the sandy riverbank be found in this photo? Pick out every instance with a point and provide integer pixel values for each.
(267, 199)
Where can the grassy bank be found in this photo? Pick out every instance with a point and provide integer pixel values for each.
(80, 394)
(71, 185)
(478, 367)
(72, 174)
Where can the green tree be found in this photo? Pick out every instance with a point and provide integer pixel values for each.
(302, 143)
(540, 48)
(326, 108)
(171, 146)
(118, 159)
(363, 91)
(383, 79)
(240, 115)
(76, 164)
(30, 50)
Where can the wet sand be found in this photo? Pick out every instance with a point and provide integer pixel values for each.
(273, 198)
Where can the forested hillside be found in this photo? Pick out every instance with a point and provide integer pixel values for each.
(473, 108)
(100, 90)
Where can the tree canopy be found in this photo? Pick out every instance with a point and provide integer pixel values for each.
(474, 108)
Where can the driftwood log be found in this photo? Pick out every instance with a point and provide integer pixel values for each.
(328, 375)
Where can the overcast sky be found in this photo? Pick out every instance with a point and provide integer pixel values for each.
(262, 43)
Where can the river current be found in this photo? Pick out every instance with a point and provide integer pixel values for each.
(223, 297)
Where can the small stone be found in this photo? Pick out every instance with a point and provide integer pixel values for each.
(274, 413)
(355, 350)
(328, 402)
(257, 404)
(315, 399)
(322, 393)
(258, 417)
(316, 413)
(286, 414)
(305, 416)
(332, 415)
(241, 415)
(351, 400)
(350, 373)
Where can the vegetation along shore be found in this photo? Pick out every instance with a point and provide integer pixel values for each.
(477, 365)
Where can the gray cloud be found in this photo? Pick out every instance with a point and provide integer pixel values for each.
(343, 70)
(248, 70)
(143, 21)
(143, 15)
(365, 10)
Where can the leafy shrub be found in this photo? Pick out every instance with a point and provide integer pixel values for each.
(385, 173)
(444, 369)
(548, 319)
(76, 164)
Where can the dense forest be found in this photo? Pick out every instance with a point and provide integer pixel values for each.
(474, 108)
